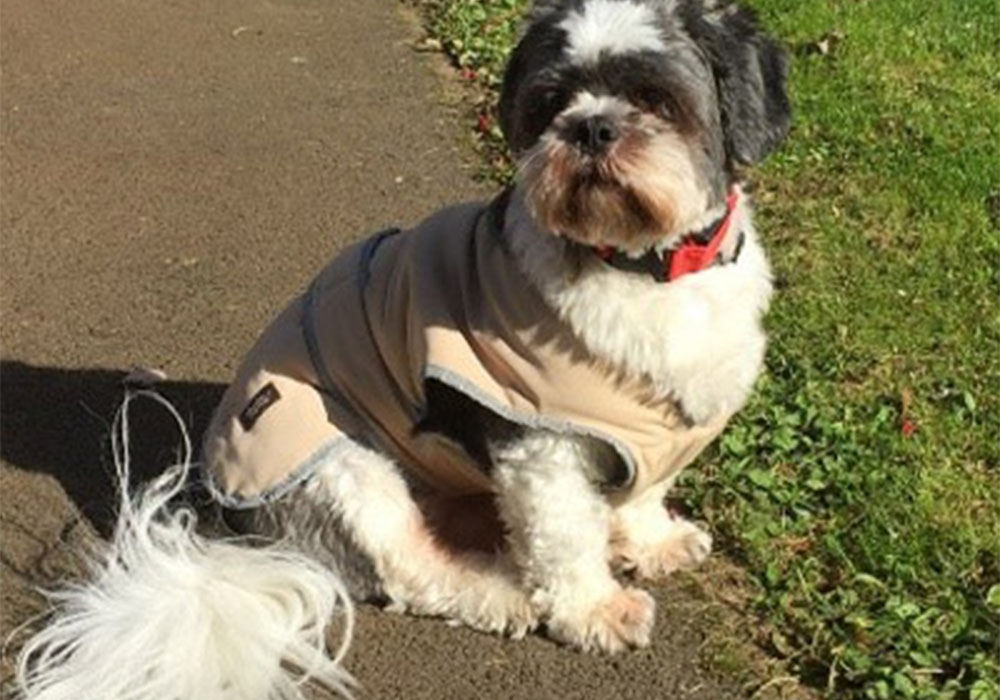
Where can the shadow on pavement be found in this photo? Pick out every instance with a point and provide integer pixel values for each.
(57, 421)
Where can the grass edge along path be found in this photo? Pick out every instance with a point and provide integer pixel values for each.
(859, 488)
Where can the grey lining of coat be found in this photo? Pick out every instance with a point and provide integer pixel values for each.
(326, 452)
(537, 421)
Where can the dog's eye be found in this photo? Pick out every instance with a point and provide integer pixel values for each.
(546, 100)
(652, 101)
(541, 105)
(551, 97)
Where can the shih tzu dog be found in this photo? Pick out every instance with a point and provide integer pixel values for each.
(479, 418)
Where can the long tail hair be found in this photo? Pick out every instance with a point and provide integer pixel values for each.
(169, 614)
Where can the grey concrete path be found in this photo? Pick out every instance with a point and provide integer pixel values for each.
(172, 172)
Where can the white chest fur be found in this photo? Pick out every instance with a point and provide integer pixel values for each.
(697, 340)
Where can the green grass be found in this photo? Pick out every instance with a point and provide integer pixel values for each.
(876, 548)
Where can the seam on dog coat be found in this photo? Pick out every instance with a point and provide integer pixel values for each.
(348, 361)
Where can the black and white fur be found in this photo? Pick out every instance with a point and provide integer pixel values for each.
(629, 120)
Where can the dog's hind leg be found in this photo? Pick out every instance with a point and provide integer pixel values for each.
(363, 498)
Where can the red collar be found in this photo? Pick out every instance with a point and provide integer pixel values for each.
(697, 251)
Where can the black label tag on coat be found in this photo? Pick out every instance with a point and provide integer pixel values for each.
(261, 401)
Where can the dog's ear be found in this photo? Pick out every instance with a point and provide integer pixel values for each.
(512, 78)
(751, 72)
(540, 46)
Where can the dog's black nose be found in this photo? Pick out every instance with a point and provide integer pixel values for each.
(594, 135)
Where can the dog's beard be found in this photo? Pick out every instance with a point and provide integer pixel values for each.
(639, 194)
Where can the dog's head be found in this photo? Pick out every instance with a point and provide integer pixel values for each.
(628, 117)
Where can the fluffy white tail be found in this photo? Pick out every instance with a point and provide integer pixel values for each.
(172, 615)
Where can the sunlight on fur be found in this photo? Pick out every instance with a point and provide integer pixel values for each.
(252, 619)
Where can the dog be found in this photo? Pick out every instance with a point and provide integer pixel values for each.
(479, 418)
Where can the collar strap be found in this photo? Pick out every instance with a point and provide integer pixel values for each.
(697, 251)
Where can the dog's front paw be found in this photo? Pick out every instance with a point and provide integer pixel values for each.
(621, 620)
(683, 546)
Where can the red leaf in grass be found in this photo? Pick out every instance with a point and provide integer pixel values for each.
(485, 123)
(907, 425)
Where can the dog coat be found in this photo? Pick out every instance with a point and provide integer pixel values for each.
(348, 361)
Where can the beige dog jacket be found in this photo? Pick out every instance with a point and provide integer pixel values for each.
(348, 360)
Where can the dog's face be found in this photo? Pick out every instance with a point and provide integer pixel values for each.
(628, 117)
